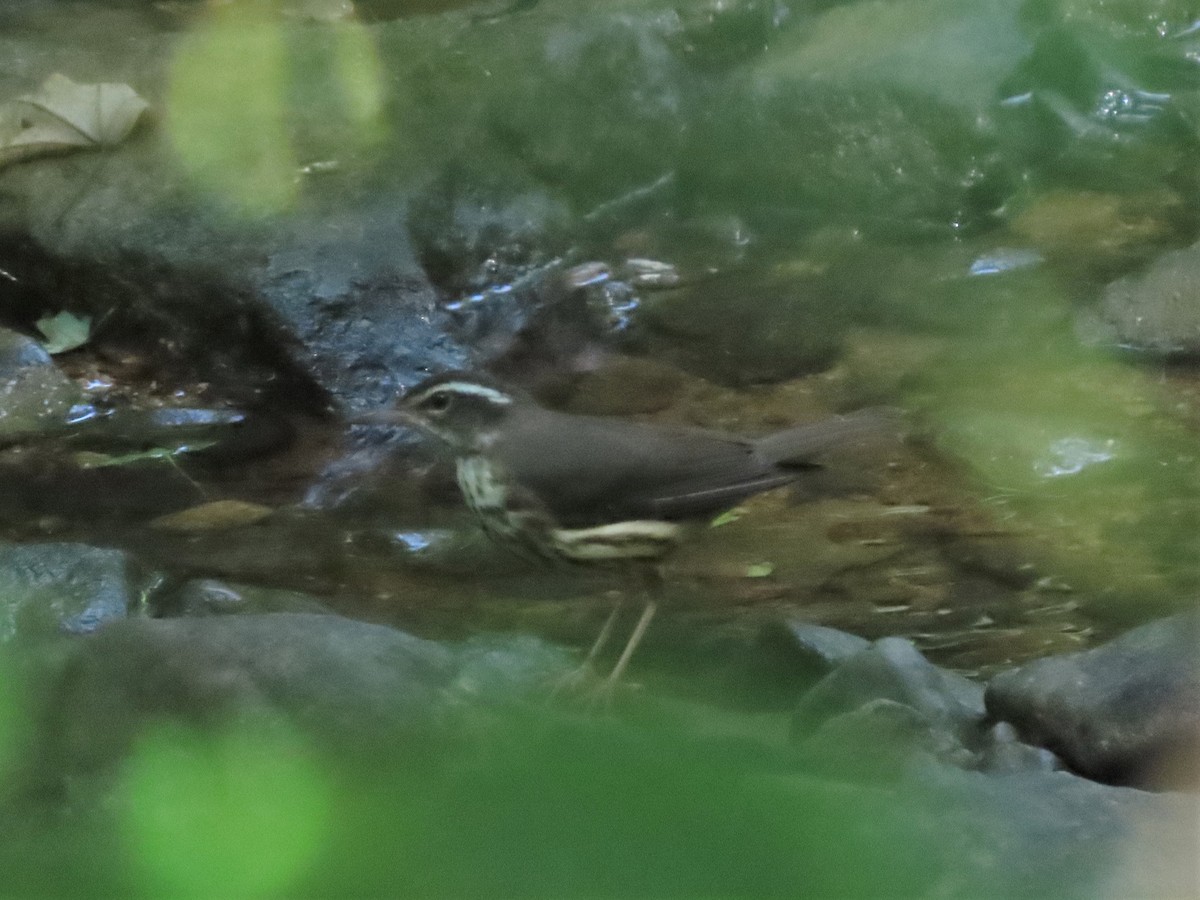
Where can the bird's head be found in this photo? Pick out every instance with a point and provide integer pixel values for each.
(464, 410)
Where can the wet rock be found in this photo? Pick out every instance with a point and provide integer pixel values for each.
(891, 669)
(48, 589)
(627, 385)
(341, 681)
(349, 686)
(469, 237)
(955, 833)
(18, 353)
(34, 394)
(744, 332)
(349, 288)
(887, 702)
(1091, 109)
(211, 597)
(886, 738)
(1049, 834)
(1126, 712)
(504, 668)
(1156, 310)
(1004, 753)
(790, 150)
(180, 261)
(814, 650)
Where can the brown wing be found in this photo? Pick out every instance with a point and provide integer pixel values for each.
(589, 471)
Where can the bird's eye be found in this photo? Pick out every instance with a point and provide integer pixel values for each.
(437, 403)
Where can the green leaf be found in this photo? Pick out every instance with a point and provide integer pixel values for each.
(730, 515)
(89, 460)
(64, 331)
(759, 570)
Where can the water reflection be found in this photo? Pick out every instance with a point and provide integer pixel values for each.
(1071, 455)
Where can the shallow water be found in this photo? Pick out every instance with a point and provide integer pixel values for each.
(915, 204)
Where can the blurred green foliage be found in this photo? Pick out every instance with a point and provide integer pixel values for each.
(883, 143)
(238, 811)
(254, 98)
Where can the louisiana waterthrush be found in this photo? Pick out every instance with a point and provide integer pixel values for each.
(596, 490)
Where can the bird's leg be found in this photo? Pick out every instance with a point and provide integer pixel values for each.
(605, 633)
(647, 580)
(581, 673)
(639, 632)
(650, 581)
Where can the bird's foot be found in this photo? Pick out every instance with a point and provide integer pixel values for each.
(600, 697)
(574, 683)
(583, 685)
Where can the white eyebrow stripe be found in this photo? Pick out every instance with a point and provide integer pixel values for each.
(465, 387)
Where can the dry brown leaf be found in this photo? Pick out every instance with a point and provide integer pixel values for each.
(218, 515)
(62, 115)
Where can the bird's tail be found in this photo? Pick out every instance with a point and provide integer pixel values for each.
(806, 443)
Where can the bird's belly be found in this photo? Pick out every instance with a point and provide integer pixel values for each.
(486, 490)
(632, 539)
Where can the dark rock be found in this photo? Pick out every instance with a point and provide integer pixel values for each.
(627, 385)
(469, 238)
(1048, 834)
(346, 683)
(892, 669)
(47, 589)
(807, 150)
(1156, 310)
(744, 332)
(880, 740)
(210, 597)
(18, 352)
(814, 649)
(325, 295)
(348, 286)
(34, 394)
(1126, 712)
(350, 687)
(1003, 753)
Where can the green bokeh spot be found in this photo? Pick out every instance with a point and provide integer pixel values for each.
(254, 97)
(239, 813)
(227, 117)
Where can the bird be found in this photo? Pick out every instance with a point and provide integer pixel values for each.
(599, 490)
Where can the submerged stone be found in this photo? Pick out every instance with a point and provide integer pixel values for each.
(34, 393)
(48, 589)
(212, 597)
(1157, 310)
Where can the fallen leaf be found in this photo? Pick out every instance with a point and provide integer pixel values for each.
(62, 115)
(64, 331)
(87, 459)
(218, 515)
